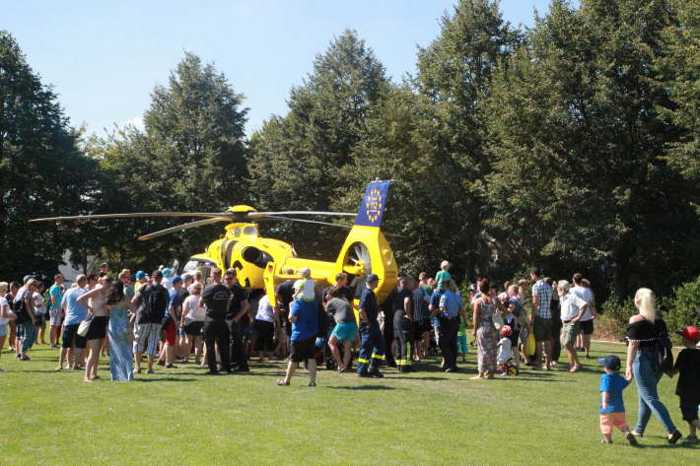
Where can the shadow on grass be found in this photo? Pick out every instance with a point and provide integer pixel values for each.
(164, 379)
(405, 377)
(361, 387)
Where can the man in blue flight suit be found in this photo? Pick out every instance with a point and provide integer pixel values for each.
(371, 340)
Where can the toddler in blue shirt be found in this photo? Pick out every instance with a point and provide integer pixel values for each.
(612, 406)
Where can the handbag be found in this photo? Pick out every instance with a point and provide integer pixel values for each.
(84, 327)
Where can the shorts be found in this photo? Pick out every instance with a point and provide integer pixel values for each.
(345, 331)
(170, 332)
(98, 328)
(266, 332)
(689, 408)
(40, 320)
(303, 350)
(568, 333)
(55, 317)
(586, 327)
(146, 338)
(71, 337)
(608, 421)
(194, 328)
(3, 331)
(542, 329)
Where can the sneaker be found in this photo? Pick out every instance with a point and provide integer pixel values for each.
(242, 369)
(637, 433)
(689, 440)
(376, 374)
(171, 366)
(150, 371)
(312, 384)
(629, 436)
(674, 437)
(363, 374)
(606, 441)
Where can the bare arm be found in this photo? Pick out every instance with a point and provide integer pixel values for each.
(632, 349)
(605, 399)
(408, 308)
(85, 296)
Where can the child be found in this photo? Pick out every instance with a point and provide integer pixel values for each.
(505, 352)
(443, 276)
(688, 388)
(511, 320)
(306, 286)
(462, 345)
(612, 407)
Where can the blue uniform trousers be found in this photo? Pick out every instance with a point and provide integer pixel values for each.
(371, 349)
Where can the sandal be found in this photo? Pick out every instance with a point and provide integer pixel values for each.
(282, 382)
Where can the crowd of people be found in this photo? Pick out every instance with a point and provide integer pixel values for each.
(168, 319)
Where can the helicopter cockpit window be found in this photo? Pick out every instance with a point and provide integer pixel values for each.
(250, 230)
(237, 232)
(256, 257)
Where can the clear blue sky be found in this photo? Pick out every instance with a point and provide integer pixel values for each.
(103, 58)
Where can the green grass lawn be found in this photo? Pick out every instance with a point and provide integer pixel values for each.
(181, 416)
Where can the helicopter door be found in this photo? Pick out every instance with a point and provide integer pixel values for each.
(227, 252)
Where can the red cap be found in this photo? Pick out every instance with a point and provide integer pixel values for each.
(691, 333)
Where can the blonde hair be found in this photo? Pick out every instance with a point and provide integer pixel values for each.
(645, 301)
(4, 286)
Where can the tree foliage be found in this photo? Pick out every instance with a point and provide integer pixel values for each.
(41, 169)
(191, 156)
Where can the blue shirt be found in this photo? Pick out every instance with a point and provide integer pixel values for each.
(450, 304)
(613, 384)
(56, 293)
(75, 312)
(306, 324)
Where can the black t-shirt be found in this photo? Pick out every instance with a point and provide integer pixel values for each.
(154, 302)
(285, 293)
(646, 332)
(399, 298)
(238, 295)
(216, 299)
(688, 367)
(368, 303)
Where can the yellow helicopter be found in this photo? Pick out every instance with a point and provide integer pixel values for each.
(263, 263)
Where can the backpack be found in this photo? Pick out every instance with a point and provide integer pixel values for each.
(155, 301)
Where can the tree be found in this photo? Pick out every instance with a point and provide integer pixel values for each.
(300, 160)
(42, 170)
(680, 69)
(580, 180)
(191, 156)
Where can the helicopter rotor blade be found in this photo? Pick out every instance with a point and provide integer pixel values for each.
(301, 212)
(132, 215)
(301, 220)
(183, 227)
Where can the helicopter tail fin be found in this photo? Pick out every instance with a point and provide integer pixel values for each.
(373, 204)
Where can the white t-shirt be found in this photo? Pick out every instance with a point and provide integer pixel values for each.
(3, 304)
(38, 303)
(505, 350)
(265, 311)
(570, 305)
(192, 310)
(587, 295)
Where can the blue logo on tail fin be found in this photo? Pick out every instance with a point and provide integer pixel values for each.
(371, 211)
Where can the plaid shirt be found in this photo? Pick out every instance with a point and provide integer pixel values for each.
(544, 291)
